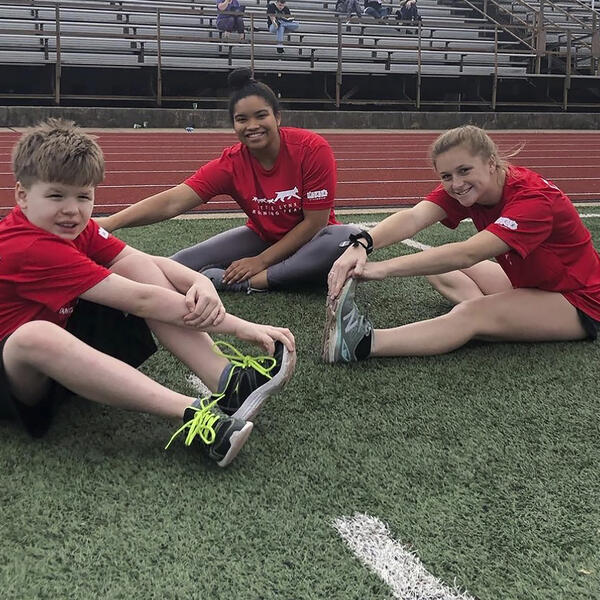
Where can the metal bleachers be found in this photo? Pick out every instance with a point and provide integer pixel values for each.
(180, 36)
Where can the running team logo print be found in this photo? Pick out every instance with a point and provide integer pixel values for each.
(284, 202)
(284, 196)
(506, 222)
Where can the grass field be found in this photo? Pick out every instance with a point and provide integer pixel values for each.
(485, 462)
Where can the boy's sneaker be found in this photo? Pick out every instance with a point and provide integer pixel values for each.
(252, 379)
(345, 327)
(220, 436)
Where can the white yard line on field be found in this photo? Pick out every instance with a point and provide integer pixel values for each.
(371, 541)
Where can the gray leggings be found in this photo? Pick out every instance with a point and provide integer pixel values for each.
(308, 266)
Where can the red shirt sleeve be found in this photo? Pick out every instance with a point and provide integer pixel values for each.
(319, 178)
(99, 245)
(55, 272)
(525, 222)
(213, 178)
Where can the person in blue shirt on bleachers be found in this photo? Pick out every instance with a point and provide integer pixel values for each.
(280, 21)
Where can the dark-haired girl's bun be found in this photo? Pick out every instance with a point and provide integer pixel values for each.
(238, 78)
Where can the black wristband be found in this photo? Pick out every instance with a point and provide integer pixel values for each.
(354, 239)
(365, 235)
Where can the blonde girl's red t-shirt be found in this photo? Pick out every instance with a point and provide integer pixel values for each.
(42, 274)
(550, 248)
(302, 178)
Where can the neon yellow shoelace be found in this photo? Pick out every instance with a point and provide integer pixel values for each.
(200, 425)
(236, 358)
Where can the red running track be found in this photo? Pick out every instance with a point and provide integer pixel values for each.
(375, 169)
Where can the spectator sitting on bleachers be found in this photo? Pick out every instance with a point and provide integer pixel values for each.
(408, 13)
(349, 7)
(375, 9)
(280, 21)
(228, 23)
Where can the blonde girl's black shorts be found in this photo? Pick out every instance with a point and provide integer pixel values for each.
(125, 337)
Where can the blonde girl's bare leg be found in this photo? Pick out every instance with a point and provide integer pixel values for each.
(482, 279)
(523, 315)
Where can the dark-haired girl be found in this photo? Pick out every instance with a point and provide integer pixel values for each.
(283, 178)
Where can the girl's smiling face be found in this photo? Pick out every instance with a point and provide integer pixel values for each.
(469, 179)
(256, 125)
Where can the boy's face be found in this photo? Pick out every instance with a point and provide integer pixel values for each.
(61, 209)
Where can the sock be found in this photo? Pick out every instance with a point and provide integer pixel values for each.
(197, 403)
(364, 347)
(224, 378)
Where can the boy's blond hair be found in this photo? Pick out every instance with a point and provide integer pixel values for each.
(57, 151)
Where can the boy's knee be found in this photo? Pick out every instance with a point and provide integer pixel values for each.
(133, 266)
(34, 337)
(143, 269)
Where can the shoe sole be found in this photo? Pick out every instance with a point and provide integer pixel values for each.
(236, 441)
(333, 323)
(253, 403)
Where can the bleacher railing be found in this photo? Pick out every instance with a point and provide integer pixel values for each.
(148, 41)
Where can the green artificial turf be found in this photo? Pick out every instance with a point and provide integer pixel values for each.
(484, 461)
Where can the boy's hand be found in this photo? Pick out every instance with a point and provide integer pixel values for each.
(204, 304)
(266, 336)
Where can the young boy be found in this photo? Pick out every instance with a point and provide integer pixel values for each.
(52, 255)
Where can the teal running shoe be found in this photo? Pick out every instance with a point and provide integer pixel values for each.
(345, 327)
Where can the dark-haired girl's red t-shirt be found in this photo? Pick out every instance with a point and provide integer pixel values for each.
(550, 248)
(302, 178)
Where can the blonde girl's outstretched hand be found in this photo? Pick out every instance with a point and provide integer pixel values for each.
(349, 264)
(372, 271)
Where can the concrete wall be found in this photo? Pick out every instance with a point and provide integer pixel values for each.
(22, 116)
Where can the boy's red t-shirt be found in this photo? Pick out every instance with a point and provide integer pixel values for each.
(302, 178)
(42, 274)
(551, 249)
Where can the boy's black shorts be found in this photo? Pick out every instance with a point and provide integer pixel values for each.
(125, 337)
(590, 325)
